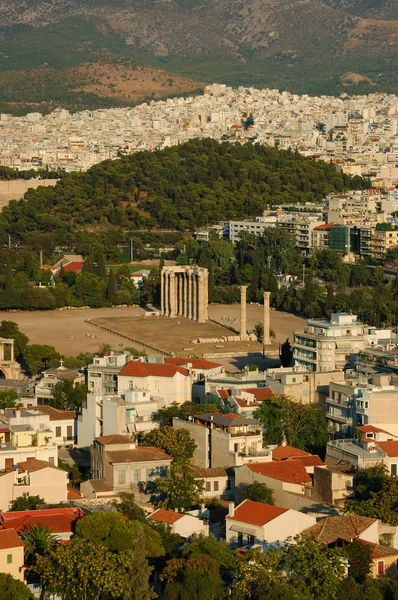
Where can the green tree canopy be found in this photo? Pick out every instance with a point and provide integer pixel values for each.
(258, 492)
(302, 426)
(9, 399)
(12, 589)
(115, 533)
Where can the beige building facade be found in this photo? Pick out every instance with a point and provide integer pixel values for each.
(11, 554)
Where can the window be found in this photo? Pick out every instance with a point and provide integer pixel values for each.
(250, 540)
(393, 469)
(69, 432)
(58, 432)
(9, 559)
(216, 486)
(51, 460)
(137, 475)
(208, 486)
(122, 476)
(380, 567)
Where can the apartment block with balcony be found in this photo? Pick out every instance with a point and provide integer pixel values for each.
(44, 387)
(362, 402)
(119, 465)
(126, 414)
(326, 345)
(225, 440)
(102, 374)
(382, 241)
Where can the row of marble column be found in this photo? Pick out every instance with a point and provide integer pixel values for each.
(184, 294)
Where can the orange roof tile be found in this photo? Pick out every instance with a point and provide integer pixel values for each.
(260, 393)
(331, 529)
(56, 414)
(197, 363)
(73, 494)
(372, 429)
(33, 464)
(59, 520)
(114, 438)
(165, 516)
(312, 461)
(224, 394)
(140, 454)
(390, 448)
(289, 471)
(138, 369)
(256, 513)
(10, 539)
(284, 452)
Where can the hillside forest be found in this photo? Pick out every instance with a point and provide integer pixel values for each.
(161, 198)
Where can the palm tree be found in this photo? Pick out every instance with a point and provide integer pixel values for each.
(37, 538)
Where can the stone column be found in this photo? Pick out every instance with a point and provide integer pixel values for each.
(267, 322)
(243, 318)
(190, 298)
(173, 295)
(196, 297)
(166, 294)
(186, 295)
(178, 291)
(162, 292)
(206, 295)
(201, 298)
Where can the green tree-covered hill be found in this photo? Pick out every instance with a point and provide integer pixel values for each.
(181, 188)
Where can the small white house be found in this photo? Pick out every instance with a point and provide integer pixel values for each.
(257, 523)
(183, 524)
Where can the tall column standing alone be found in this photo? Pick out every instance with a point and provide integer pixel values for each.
(243, 318)
(267, 322)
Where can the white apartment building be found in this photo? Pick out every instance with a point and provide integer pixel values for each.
(131, 412)
(326, 345)
(361, 403)
(102, 374)
(168, 381)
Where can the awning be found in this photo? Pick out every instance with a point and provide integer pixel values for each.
(242, 529)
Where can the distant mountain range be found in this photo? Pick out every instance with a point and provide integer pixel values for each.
(301, 45)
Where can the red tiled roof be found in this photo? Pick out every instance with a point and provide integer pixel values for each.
(256, 513)
(165, 516)
(74, 267)
(56, 414)
(73, 494)
(59, 520)
(138, 369)
(244, 403)
(140, 454)
(262, 393)
(373, 429)
(312, 461)
(284, 452)
(10, 539)
(224, 394)
(197, 363)
(324, 226)
(33, 464)
(114, 438)
(331, 529)
(390, 448)
(289, 471)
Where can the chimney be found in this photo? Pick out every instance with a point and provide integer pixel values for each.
(231, 509)
(243, 319)
(267, 337)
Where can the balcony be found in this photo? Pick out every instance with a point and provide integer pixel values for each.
(341, 402)
(338, 418)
